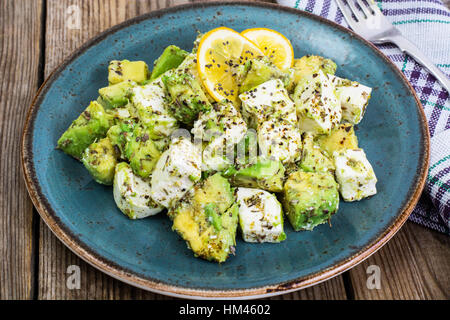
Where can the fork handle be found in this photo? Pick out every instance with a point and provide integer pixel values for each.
(408, 47)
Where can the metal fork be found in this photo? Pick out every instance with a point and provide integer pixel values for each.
(371, 24)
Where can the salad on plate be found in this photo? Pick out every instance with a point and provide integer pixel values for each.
(237, 134)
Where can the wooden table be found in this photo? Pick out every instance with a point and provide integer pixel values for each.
(415, 264)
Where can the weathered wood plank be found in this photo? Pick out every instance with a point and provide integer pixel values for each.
(332, 289)
(414, 264)
(54, 258)
(447, 3)
(20, 32)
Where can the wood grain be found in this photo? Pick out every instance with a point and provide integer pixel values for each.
(414, 264)
(20, 32)
(447, 3)
(332, 289)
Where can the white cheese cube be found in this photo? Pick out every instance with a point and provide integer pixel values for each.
(266, 101)
(279, 140)
(260, 216)
(150, 97)
(222, 119)
(318, 110)
(178, 168)
(353, 98)
(151, 107)
(220, 129)
(354, 174)
(132, 193)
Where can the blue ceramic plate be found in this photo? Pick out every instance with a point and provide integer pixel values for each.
(146, 253)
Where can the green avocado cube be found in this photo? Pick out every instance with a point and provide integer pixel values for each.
(309, 64)
(318, 109)
(189, 65)
(115, 95)
(341, 138)
(171, 58)
(247, 148)
(260, 70)
(120, 114)
(142, 152)
(119, 135)
(207, 218)
(264, 173)
(119, 71)
(187, 96)
(313, 159)
(310, 199)
(100, 160)
(92, 124)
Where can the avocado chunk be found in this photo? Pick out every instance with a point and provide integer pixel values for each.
(310, 199)
(207, 219)
(187, 97)
(92, 124)
(247, 149)
(119, 71)
(213, 216)
(197, 41)
(142, 152)
(313, 159)
(115, 95)
(162, 144)
(265, 174)
(189, 66)
(341, 138)
(171, 58)
(100, 159)
(260, 70)
(309, 65)
(318, 108)
(118, 114)
(119, 135)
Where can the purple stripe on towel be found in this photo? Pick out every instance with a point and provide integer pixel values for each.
(400, 12)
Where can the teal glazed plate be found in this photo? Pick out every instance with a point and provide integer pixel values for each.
(146, 253)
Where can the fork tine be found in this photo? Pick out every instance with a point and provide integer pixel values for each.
(374, 7)
(346, 13)
(364, 8)
(355, 10)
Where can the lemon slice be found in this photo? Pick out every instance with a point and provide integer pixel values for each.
(273, 44)
(220, 53)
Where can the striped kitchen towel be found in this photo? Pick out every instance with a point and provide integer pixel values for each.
(427, 24)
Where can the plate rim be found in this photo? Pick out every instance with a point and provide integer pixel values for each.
(121, 273)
